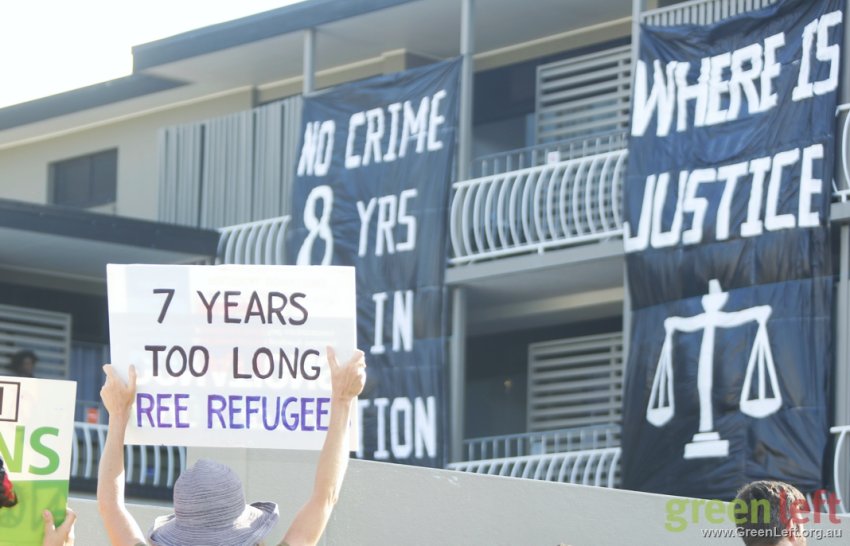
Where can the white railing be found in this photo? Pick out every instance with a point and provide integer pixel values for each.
(542, 154)
(586, 467)
(541, 443)
(843, 433)
(701, 12)
(548, 206)
(156, 466)
(260, 242)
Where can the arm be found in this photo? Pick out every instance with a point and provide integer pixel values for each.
(347, 382)
(64, 535)
(121, 528)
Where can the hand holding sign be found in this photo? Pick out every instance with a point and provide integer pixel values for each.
(118, 396)
(61, 536)
(348, 380)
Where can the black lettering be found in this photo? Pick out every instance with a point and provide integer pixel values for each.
(203, 350)
(228, 304)
(292, 366)
(314, 368)
(255, 308)
(293, 299)
(274, 309)
(155, 349)
(208, 305)
(175, 349)
(170, 292)
(236, 374)
(269, 356)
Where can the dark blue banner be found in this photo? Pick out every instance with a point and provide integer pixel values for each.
(372, 191)
(728, 252)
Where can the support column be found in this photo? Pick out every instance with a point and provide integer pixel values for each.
(457, 375)
(842, 346)
(309, 61)
(467, 74)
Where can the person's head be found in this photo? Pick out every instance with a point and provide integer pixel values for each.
(23, 363)
(209, 508)
(7, 493)
(772, 510)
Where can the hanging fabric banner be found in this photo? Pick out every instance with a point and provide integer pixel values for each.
(372, 190)
(728, 252)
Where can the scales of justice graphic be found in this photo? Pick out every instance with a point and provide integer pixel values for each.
(661, 408)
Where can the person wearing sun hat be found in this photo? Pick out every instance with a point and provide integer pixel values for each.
(209, 502)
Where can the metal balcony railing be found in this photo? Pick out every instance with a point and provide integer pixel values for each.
(260, 242)
(542, 154)
(556, 204)
(155, 466)
(539, 443)
(585, 455)
(586, 467)
(701, 12)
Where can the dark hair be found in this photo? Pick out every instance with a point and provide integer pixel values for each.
(769, 525)
(7, 494)
(18, 359)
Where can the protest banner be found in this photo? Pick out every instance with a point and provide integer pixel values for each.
(36, 431)
(727, 241)
(372, 190)
(230, 356)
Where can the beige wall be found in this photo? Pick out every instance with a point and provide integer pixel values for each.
(386, 505)
(24, 168)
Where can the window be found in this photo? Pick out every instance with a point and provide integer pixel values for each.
(85, 181)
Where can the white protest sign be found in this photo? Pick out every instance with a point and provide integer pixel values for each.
(230, 356)
(36, 432)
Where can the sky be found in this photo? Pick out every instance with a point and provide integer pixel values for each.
(51, 46)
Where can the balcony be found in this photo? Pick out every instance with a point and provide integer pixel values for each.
(150, 470)
(586, 456)
(570, 194)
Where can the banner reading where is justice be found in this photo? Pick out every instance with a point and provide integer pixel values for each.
(726, 233)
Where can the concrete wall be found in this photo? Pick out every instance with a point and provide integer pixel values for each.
(25, 167)
(387, 505)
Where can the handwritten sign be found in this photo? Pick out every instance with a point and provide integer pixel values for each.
(230, 356)
(36, 431)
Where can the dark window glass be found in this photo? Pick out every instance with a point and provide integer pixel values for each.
(86, 181)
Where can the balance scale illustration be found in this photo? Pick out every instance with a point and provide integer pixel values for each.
(662, 407)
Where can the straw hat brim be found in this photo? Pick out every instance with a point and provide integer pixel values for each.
(255, 522)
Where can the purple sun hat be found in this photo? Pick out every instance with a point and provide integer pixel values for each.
(210, 510)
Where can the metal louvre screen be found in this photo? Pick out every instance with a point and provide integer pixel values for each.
(585, 96)
(46, 333)
(229, 170)
(575, 382)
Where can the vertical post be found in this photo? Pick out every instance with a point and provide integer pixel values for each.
(457, 374)
(467, 47)
(309, 61)
(842, 352)
(637, 9)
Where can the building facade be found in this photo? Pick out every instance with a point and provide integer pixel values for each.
(202, 139)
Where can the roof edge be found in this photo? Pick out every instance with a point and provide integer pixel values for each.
(253, 28)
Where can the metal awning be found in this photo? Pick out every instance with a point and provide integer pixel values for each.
(70, 248)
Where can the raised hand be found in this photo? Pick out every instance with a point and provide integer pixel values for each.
(118, 396)
(347, 381)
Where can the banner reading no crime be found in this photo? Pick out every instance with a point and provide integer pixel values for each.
(36, 431)
(372, 191)
(727, 240)
(230, 356)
